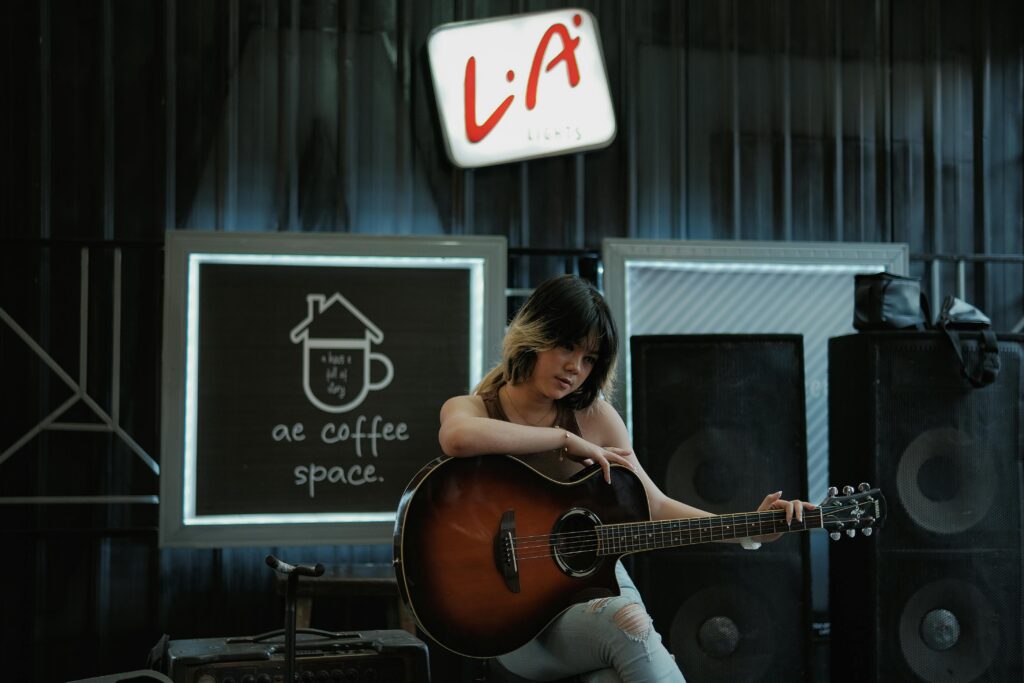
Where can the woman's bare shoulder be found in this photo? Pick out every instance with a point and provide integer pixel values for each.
(601, 423)
(599, 410)
(470, 405)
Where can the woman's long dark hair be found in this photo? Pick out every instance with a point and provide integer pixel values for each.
(564, 310)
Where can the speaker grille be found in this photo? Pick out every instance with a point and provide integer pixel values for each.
(949, 448)
(730, 617)
(936, 594)
(718, 419)
(954, 618)
(718, 422)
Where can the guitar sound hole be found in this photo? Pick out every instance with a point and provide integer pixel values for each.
(574, 542)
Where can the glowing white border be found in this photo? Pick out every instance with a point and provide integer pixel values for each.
(475, 266)
(727, 266)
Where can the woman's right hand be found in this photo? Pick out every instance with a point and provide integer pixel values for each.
(582, 451)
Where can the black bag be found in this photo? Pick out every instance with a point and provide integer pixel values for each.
(957, 315)
(883, 301)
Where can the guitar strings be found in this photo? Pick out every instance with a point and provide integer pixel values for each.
(589, 542)
(565, 540)
(774, 518)
(592, 543)
(569, 543)
(594, 548)
(579, 542)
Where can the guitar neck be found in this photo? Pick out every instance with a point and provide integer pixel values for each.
(616, 539)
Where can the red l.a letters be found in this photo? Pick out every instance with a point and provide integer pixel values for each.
(477, 132)
(568, 54)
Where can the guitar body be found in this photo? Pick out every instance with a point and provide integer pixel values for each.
(450, 574)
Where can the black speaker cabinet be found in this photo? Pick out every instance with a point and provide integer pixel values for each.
(935, 594)
(393, 656)
(729, 617)
(719, 422)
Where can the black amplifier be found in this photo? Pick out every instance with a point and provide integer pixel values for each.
(320, 657)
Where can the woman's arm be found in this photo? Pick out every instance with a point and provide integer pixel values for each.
(603, 424)
(607, 428)
(466, 430)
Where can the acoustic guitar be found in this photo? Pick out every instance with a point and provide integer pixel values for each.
(488, 551)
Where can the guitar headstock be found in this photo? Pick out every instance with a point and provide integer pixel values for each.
(863, 509)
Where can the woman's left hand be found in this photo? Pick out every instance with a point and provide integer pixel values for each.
(794, 510)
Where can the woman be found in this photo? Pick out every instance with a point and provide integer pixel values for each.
(543, 403)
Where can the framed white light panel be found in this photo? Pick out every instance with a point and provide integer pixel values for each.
(303, 375)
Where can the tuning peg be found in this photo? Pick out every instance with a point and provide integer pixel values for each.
(847, 490)
(832, 492)
(867, 531)
(835, 535)
(863, 486)
(851, 532)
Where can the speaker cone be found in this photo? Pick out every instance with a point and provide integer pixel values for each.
(946, 481)
(724, 634)
(705, 468)
(949, 632)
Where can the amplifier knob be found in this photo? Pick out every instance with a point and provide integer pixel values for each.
(351, 674)
(264, 678)
(248, 678)
(308, 677)
(337, 676)
(370, 675)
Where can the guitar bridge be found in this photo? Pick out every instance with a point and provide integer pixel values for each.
(505, 550)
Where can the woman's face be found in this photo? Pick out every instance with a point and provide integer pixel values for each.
(561, 370)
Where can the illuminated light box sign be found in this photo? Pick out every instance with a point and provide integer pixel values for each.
(304, 374)
(521, 87)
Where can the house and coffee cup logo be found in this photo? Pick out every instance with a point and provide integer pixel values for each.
(338, 368)
(337, 373)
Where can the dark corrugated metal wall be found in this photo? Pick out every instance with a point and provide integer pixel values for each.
(808, 120)
(788, 120)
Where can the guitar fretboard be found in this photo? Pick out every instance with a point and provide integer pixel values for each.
(615, 539)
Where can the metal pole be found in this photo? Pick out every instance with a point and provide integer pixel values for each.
(936, 284)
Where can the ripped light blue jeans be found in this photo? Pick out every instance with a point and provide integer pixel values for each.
(608, 640)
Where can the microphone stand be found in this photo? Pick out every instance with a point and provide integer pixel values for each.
(293, 572)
